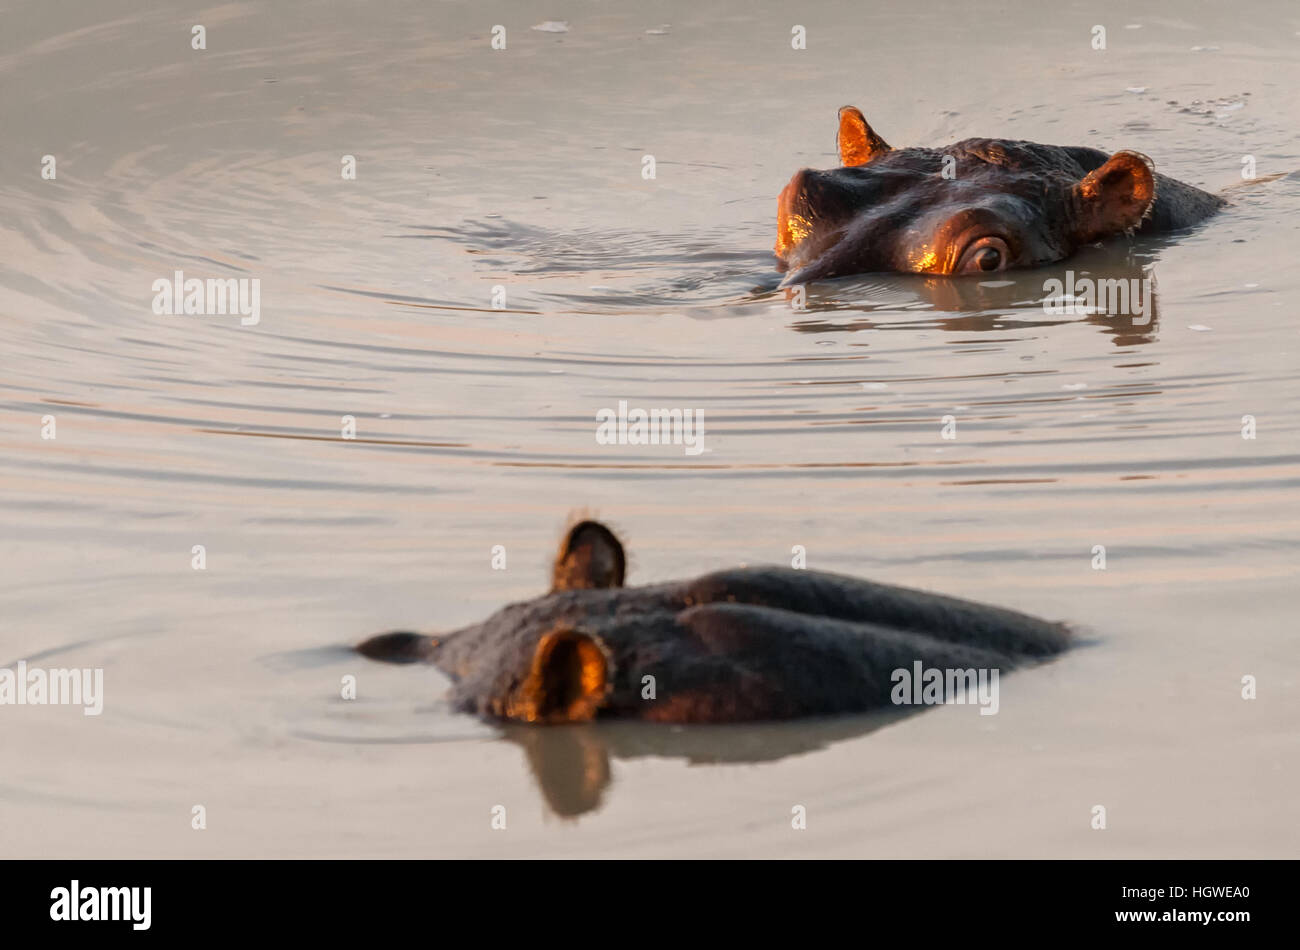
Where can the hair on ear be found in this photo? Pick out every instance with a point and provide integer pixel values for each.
(1115, 197)
(589, 556)
(568, 679)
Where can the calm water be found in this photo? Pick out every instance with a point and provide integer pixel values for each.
(475, 427)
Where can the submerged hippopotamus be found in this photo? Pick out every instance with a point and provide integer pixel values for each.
(742, 644)
(979, 206)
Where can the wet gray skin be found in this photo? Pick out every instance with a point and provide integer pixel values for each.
(1001, 204)
(736, 645)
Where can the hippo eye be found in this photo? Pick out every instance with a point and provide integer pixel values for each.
(984, 256)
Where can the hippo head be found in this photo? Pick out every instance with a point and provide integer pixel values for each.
(740, 644)
(548, 659)
(979, 206)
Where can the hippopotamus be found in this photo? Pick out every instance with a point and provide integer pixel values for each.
(976, 207)
(745, 644)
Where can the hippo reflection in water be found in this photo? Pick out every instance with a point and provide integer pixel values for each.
(1001, 204)
(737, 645)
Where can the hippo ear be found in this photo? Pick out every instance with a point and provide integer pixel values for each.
(1114, 197)
(857, 143)
(589, 556)
(568, 680)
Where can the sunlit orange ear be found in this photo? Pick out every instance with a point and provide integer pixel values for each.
(589, 556)
(567, 682)
(857, 143)
(1114, 197)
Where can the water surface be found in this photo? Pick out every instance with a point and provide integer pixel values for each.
(522, 169)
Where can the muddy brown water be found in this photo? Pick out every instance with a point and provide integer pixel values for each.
(522, 168)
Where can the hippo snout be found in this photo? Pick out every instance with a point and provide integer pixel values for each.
(812, 214)
(792, 222)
